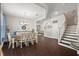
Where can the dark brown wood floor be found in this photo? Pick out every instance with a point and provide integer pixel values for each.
(45, 47)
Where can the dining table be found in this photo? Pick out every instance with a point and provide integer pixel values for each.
(20, 37)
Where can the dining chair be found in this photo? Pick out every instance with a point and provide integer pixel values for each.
(11, 40)
(33, 38)
(23, 38)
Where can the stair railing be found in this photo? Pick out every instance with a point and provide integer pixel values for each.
(61, 30)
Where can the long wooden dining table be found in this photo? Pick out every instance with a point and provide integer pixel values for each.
(24, 37)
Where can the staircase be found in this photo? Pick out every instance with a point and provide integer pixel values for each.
(69, 36)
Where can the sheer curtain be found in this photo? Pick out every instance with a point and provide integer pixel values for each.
(0, 28)
(3, 28)
(0, 24)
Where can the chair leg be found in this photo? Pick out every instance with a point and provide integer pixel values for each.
(17, 44)
(13, 42)
(32, 42)
(27, 43)
(20, 44)
(36, 41)
(9, 44)
(13, 45)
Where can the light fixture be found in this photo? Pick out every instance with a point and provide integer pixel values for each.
(56, 13)
(21, 23)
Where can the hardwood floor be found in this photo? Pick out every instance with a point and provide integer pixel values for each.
(45, 47)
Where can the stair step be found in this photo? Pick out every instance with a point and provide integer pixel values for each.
(70, 30)
(75, 45)
(70, 39)
(65, 45)
(66, 41)
(72, 26)
(70, 34)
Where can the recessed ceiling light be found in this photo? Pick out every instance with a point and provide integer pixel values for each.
(56, 12)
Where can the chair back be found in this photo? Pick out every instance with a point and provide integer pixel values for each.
(34, 35)
(23, 36)
(9, 36)
(29, 35)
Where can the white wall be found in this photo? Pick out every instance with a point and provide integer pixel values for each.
(51, 29)
(15, 23)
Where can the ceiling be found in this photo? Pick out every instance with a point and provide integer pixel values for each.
(37, 10)
(26, 10)
(55, 9)
(59, 8)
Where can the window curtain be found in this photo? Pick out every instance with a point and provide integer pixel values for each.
(0, 23)
(3, 28)
(0, 28)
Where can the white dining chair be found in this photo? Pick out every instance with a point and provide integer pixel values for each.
(23, 38)
(11, 40)
(33, 38)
